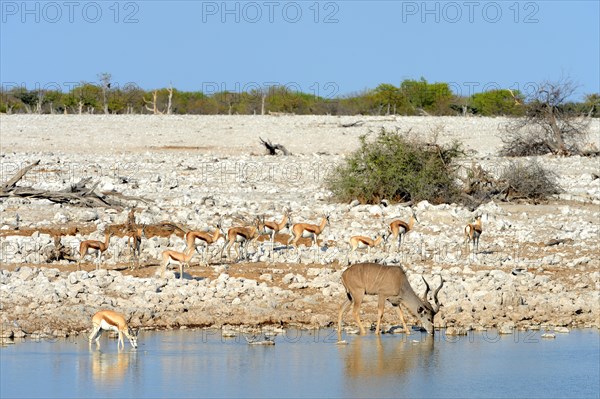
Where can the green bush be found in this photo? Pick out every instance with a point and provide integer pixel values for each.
(498, 102)
(396, 168)
(434, 98)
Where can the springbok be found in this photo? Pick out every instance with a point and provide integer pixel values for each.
(390, 283)
(306, 230)
(134, 241)
(112, 321)
(362, 242)
(93, 246)
(242, 236)
(398, 228)
(272, 227)
(206, 239)
(473, 232)
(183, 258)
(132, 230)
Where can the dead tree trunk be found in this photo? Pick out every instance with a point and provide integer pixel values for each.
(273, 148)
(59, 251)
(170, 100)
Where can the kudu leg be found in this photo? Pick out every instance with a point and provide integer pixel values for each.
(380, 306)
(357, 300)
(406, 330)
(343, 309)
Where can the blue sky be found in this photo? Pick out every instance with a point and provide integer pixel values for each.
(328, 47)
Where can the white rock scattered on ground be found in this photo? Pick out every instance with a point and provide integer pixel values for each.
(514, 282)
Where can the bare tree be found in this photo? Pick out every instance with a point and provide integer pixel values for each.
(170, 101)
(40, 102)
(152, 106)
(105, 78)
(549, 126)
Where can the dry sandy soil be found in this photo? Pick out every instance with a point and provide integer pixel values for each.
(226, 135)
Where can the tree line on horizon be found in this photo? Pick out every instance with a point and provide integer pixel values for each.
(411, 97)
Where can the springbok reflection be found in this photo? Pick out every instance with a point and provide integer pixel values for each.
(379, 357)
(111, 366)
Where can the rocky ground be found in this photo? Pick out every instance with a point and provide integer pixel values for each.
(195, 171)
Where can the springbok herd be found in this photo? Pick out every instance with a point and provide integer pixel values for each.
(242, 236)
(388, 282)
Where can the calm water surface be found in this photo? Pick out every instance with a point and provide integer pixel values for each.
(201, 363)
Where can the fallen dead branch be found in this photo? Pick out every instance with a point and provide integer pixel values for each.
(353, 124)
(13, 182)
(559, 241)
(77, 194)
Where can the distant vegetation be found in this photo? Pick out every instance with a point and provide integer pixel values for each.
(411, 97)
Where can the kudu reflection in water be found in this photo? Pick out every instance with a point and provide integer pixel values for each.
(378, 357)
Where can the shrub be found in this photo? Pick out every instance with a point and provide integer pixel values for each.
(529, 181)
(397, 168)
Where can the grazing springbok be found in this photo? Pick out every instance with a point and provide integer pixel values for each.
(390, 283)
(110, 320)
(473, 232)
(398, 228)
(183, 258)
(362, 242)
(93, 246)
